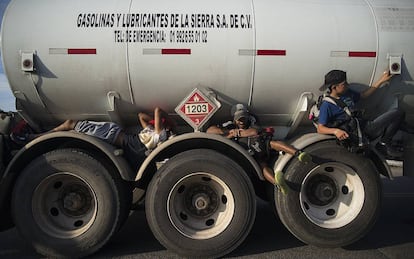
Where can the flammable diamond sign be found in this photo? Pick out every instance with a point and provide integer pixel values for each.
(197, 108)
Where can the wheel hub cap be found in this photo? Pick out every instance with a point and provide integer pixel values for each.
(322, 190)
(332, 195)
(201, 200)
(65, 205)
(200, 206)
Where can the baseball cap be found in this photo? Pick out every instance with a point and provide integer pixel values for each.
(333, 77)
(240, 111)
(240, 114)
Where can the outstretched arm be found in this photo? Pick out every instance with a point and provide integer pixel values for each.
(215, 130)
(386, 76)
(158, 115)
(233, 133)
(160, 119)
(243, 133)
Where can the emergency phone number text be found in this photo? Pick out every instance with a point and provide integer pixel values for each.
(188, 36)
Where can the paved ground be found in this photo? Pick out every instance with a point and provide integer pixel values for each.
(392, 237)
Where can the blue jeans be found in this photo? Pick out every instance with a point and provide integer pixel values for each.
(385, 125)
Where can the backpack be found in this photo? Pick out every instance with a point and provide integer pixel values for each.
(258, 146)
(315, 109)
(351, 125)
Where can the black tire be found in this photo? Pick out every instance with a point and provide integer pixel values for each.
(334, 201)
(223, 193)
(66, 204)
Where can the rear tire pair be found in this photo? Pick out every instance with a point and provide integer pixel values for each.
(67, 204)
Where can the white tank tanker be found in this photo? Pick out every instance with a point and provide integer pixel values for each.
(64, 60)
(108, 60)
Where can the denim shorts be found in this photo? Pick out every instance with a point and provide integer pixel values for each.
(107, 131)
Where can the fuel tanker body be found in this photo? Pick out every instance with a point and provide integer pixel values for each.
(109, 60)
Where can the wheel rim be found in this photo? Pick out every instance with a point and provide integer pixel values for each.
(200, 206)
(64, 205)
(332, 195)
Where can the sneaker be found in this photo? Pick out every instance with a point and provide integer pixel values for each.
(388, 151)
(304, 157)
(280, 182)
(407, 128)
(19, 139)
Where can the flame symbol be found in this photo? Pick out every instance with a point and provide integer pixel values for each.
(196, 99)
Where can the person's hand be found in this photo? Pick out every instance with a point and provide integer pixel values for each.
(234, 133)
(341, 134)
(386, 76)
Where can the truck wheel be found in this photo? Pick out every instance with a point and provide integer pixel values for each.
(334, 201)
(66, 204)
(200, 204)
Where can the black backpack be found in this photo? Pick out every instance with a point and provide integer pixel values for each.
(352, 125)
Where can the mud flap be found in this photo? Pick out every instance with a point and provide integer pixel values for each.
(409, 155)
(5, 219)
(2, 160)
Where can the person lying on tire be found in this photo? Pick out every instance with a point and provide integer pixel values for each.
(244, 127)
(333, 119)
(136, 147)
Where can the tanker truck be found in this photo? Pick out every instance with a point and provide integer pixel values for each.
(68, 193)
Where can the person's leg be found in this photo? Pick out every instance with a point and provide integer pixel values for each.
(275, 178)
(282, 146)
(65, 126)
(392, 128)
(385, 125)
(268, 173)
(104, 130)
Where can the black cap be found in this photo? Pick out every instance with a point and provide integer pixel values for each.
(333, 77)
(240, 111)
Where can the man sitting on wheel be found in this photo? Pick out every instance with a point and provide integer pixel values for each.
(244, 125)
(333, 119)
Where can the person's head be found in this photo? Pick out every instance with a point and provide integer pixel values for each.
(335, 81)
(170, 125)
(166, 123)
(241, 117)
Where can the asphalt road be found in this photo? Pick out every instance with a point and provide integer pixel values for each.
(391, 237)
